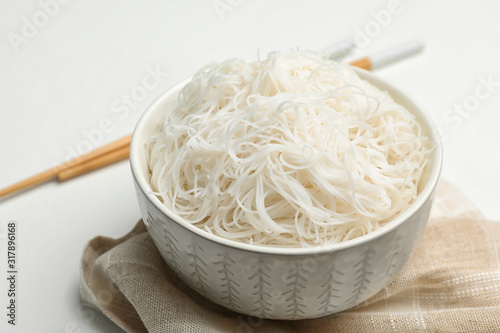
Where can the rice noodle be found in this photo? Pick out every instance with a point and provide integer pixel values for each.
(292, 151)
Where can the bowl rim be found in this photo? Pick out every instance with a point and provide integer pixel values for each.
(426, 193)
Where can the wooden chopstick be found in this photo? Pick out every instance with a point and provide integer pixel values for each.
(95, 154)
(364, 63)
(95, 163)
(110, 153)
(389, 55)
(119, 150)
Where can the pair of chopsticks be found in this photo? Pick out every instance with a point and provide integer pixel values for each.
(108, 154)
(119, 150)
(378, 59)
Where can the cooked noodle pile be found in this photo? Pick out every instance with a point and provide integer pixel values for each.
(292, 151)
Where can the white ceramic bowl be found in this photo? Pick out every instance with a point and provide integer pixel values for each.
(281, 283)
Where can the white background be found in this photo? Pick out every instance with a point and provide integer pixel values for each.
(60, 80)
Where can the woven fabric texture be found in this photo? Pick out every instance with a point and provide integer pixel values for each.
(450, 284)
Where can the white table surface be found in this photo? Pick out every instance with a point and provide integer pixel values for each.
(60, 80)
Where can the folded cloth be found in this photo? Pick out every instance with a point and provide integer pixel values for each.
(450, 284)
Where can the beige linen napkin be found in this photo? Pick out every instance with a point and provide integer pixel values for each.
(450, 284)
